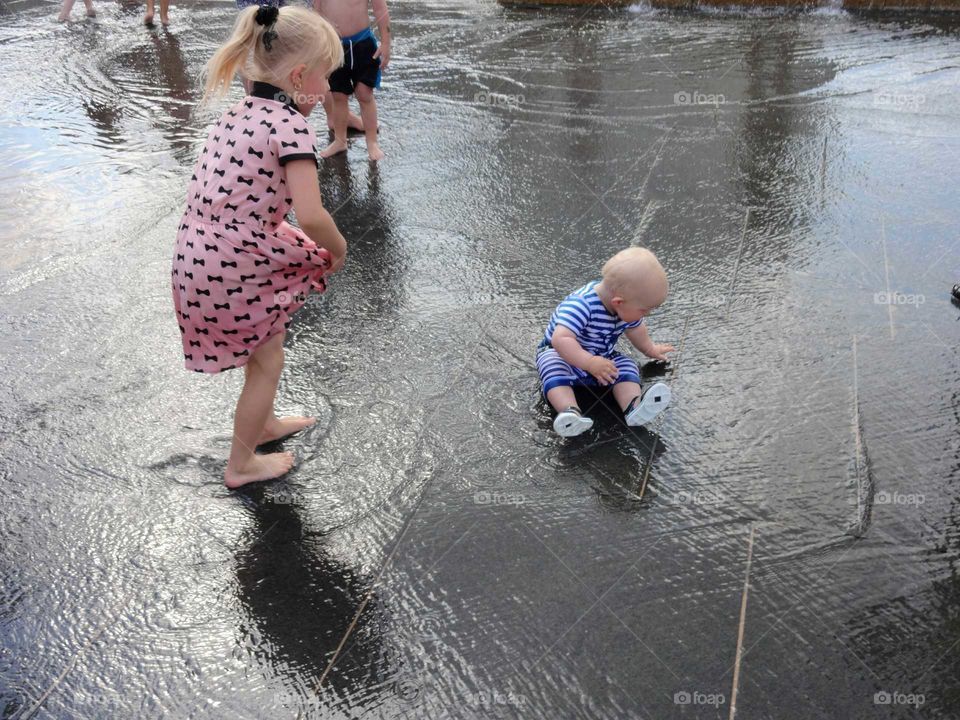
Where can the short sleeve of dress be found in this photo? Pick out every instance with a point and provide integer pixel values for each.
(294, 139)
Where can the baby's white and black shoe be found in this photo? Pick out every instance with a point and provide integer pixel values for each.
(571, 423)
(646, 406)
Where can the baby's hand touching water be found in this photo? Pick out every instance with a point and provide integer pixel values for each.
(658, 351)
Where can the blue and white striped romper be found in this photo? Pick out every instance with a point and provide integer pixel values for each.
(583, 313)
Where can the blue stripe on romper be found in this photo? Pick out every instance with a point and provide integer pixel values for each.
(583, 313)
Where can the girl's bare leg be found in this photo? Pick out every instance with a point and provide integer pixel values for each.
(164, 14)
(89, 5)
(276, 428)
(280, 427)
(148, 18)
(368, 112)
(254, 408)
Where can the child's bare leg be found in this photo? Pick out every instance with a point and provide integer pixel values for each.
(368, 113)
(276, 428)
(254, 408)
(65, 10)
(569, 421)
(164, 8)
(562, 397)
(148, 18)
(280, 427)
(340, 110)
(625, 392)
(353, 120)
(89, 5)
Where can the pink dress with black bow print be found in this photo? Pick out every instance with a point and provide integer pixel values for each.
(239, 269)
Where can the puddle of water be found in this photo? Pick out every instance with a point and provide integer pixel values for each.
(794, 172)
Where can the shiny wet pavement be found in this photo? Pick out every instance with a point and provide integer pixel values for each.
(438, 552)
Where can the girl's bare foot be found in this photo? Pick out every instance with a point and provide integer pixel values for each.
(148, 19)
(164, 20)
(277, 428)
(259, 468)
(334, 148)
(374, 152)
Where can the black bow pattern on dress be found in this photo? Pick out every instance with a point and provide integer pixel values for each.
(249, 226)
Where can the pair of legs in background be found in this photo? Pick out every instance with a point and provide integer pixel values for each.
(68, 7)
(558, 378)
(255, 422)
(368, 122)
(339, 118)
(164, 13)
(359, 75)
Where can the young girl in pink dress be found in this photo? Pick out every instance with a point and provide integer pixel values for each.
(239, 269)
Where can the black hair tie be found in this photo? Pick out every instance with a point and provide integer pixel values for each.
(267, 16)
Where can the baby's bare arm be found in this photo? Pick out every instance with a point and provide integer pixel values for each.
(639, 337)
(569, 348)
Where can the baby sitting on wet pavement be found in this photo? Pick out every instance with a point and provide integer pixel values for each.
(578, 346)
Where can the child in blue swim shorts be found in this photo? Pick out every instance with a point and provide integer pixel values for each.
(578, 347)
(363, 61)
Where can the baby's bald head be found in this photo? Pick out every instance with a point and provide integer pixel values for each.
(636, 276)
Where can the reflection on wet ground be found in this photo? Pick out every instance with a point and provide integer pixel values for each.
(439, 552)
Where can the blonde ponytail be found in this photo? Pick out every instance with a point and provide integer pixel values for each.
(301, 37)
(232, 55)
